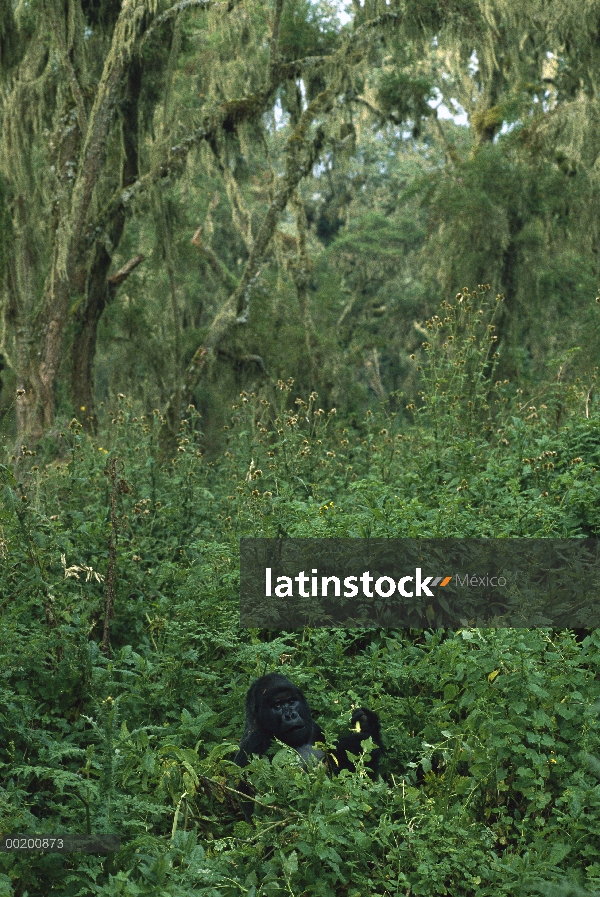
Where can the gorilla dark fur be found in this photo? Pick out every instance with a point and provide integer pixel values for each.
(276, 708)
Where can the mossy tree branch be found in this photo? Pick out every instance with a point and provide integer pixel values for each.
(301, 152)
(232, 114)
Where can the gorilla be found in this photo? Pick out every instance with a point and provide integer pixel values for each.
(276, 708)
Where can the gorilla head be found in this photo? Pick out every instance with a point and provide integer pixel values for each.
(276, 708)
(282, 710)
(365, 724)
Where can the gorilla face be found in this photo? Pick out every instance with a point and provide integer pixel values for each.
(276, 708)
(286, 715)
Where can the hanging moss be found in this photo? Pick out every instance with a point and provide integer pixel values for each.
(5, 227)
(10, 41)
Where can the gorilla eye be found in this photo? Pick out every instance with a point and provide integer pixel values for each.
(282, 701)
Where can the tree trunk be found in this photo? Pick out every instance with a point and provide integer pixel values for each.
(84, 342)
(79, 171)
(100, 289)
(39, 351)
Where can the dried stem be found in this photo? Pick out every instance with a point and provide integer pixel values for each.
(117, 486)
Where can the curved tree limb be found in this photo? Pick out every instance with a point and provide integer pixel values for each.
(180, 7)
(123, 273)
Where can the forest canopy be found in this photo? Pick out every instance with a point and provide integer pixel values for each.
(187, 188)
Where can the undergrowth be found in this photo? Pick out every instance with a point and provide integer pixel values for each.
(124, 670)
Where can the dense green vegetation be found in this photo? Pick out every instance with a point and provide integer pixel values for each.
(491, 780)
(234, 243)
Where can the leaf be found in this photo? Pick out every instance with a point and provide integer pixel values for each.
(290, 864)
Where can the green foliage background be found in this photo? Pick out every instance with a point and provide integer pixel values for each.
(358, 394)
(491, 778)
